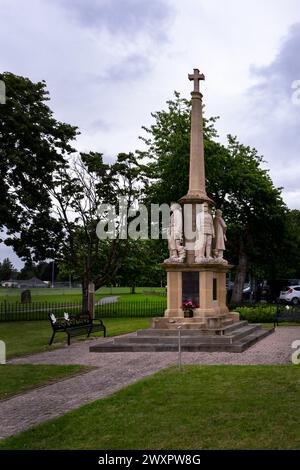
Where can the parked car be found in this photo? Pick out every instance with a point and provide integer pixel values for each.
(247, 289)
(290, 294)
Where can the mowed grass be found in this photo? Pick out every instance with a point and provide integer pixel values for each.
(17, 378)
(42, 295)
(75, 294)
(137, 297)
(27, 337)
(202, 407)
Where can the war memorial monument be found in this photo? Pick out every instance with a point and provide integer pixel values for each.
(196, 271)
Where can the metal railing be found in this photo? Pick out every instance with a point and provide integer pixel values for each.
(16, 311)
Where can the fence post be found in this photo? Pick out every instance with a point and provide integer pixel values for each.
(179, 347)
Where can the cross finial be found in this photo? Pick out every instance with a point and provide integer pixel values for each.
(196, 76)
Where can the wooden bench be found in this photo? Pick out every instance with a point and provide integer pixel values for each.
(287, 313)
(75, 325)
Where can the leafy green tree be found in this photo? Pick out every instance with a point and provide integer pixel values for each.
(7, 270)
(255, 212)
(288, 260)
(78, 193)
(49, 198)
(141, 265)
(33, 146)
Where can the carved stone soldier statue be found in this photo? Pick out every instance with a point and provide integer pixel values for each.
(204, 236)
(176, 248)
(220, 237)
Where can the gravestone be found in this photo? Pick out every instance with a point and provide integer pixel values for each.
(26, 297)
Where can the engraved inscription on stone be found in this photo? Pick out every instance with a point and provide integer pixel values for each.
(190, 287)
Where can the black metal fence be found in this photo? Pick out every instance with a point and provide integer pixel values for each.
(16, 311)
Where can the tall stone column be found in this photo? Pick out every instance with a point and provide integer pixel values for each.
(197, 191)
(197, 169)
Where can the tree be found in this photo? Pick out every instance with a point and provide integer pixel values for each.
(141, 265)
(7, 270)
(288, 262)
(252, 206)
(33, 145)
(49, 196)
(78, 193)
(255, 211)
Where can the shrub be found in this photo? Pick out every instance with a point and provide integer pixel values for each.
(257, 313)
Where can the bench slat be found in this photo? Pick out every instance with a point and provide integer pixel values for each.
(79, 325)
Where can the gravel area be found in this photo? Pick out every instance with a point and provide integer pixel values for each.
(115, 371)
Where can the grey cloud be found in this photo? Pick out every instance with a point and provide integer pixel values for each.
(133, 67)
(101, 124)
(276, 78)
(273, 119)
(120, 16)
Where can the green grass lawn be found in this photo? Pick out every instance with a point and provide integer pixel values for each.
(74, 294)
(41, 295)
(139, 297)
(15, 378)
(26, 337)
(202, 407)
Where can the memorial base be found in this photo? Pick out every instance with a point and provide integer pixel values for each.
(202, 283)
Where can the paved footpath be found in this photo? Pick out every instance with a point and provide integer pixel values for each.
(115, 371)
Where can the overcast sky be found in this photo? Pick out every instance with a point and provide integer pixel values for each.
(109, 63)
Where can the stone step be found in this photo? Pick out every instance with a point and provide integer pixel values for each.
(172, 340)
(187, 331)
(240, 333)
(189, 339)
(193, 326)
(159, 333)
(210, 344)
(248, 341)
(235, 326)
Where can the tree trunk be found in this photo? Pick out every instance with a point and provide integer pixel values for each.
(240, 277)
(85, 293)
(132, 289)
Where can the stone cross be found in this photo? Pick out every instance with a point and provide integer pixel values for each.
(196, 76)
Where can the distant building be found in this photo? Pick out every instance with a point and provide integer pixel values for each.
(10, 283)
(33, 282)
(26, 284)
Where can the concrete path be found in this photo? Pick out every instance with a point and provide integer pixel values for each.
(108, 300)
(115, 371)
